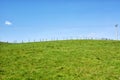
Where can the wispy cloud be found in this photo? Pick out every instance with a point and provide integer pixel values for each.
(8, 23)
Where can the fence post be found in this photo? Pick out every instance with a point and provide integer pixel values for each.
(22, 41)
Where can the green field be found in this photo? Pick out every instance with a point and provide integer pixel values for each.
(60, 60)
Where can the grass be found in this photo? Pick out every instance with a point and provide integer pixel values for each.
(60, 60)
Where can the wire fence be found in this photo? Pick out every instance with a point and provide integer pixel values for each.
(56, 39)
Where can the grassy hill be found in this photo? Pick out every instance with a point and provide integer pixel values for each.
(60, 60)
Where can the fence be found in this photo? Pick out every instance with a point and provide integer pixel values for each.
(56, 39)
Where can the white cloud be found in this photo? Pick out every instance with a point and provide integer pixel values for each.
(8, 23)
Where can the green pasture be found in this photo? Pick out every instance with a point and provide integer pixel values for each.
(60, 60)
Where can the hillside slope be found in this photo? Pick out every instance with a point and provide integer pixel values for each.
(60, 60)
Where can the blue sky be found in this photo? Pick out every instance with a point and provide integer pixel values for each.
(49, 19)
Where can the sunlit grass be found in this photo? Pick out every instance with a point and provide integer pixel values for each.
(61, 60)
